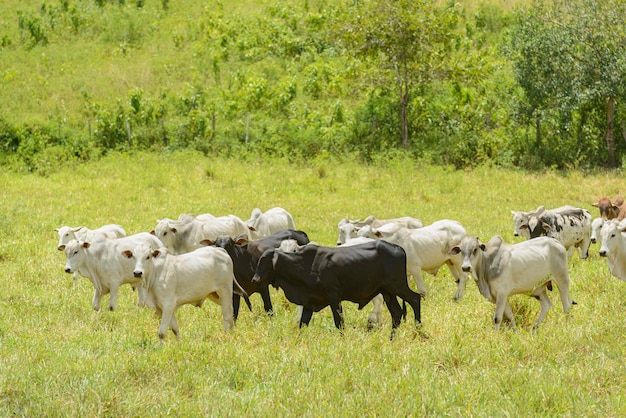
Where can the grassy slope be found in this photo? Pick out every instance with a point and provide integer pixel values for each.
(61, 358)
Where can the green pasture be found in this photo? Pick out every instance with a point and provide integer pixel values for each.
(60, 358)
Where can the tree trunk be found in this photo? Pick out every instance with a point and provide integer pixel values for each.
(537, 130)
(404, 104)
(610, 129)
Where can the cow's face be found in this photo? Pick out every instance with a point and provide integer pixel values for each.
(520, 224)
(143, 256)
(75, 255)
(347, 231)
(66, 234)
(611, 234)
(471, 250)
(166, 233)
(596, 227)
(264, 274)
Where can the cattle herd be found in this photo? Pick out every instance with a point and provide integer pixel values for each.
(194, 258)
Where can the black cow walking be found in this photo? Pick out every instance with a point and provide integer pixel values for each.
(317, 276)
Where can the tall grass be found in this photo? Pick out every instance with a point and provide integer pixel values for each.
(59, 357)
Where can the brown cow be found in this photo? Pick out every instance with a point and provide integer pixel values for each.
(610, 210)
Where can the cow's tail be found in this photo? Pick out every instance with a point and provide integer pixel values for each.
(239, 290)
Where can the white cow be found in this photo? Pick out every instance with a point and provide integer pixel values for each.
(184, 236)
(349, 228)
(613, 247)
(428, 248)
(501, 270)
(520, 223)
(101, 261)
(67, 233)
(170, 281)
(596, 227)
(268, 223)
(570, 225)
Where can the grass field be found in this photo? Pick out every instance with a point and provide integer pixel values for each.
(60, 358)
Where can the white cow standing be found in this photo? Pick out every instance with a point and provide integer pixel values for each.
(67, 233)
(596, 227)
(613, 247)
(170, 281)
(428, 248)
(263, 224)
(501, 270)
(101, 261)
(186, 235)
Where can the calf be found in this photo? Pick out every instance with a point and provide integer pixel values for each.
(318, 276)
(102, 263)
(245, 255)
(170, 281)
(613, 247)
(501, 270)
(428, 248)
(596, 227)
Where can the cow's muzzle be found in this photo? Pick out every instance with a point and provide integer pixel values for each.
(68, 270)
(466, 269)
(137, 273)
(603, 253)
(256, 279)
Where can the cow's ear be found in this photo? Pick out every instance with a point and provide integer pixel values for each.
(127, 254)
(241, 241)
(207, 242)
(523, 227)
(56, 229)
(153, 232)
(378, 233)
(61, 247)
(86, 245)
(455, 250)
(483, 247)
(595, 205)
(174, 230)
(251, 228)
(545, 226)
(156, 253)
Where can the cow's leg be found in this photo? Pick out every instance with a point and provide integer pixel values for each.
(584, 249)
(225, 298)
(375, 317)
(267, 301)
(113, 297)
(337, 314)
(75, 277)
(236, 303)
(305, 318)
(501, 303)
(167, 312)
(416, 272)
(395, 310)
(508, 314)
(95, 302)
(461, 280)
(174, 326)
(542, 296)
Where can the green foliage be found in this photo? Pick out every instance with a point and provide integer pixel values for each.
(464, 84)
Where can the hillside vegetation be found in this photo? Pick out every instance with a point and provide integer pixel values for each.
(60, 358)
(448, 83)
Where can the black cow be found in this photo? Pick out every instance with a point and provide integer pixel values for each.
(316, 277)
(245, 255)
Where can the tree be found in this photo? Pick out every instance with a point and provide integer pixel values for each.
(406, 41)
(569, 55)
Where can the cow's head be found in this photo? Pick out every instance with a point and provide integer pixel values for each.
(607, 209)
(471, 250)
(520, 224)
(143, 256)
(75, 255)
(611, 236)
(265, 274)
(596, 227)
(166, 231)
(66, 234)
(347, 230)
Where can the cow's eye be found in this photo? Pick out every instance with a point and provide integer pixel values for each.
(75, 252)
(165, 233)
